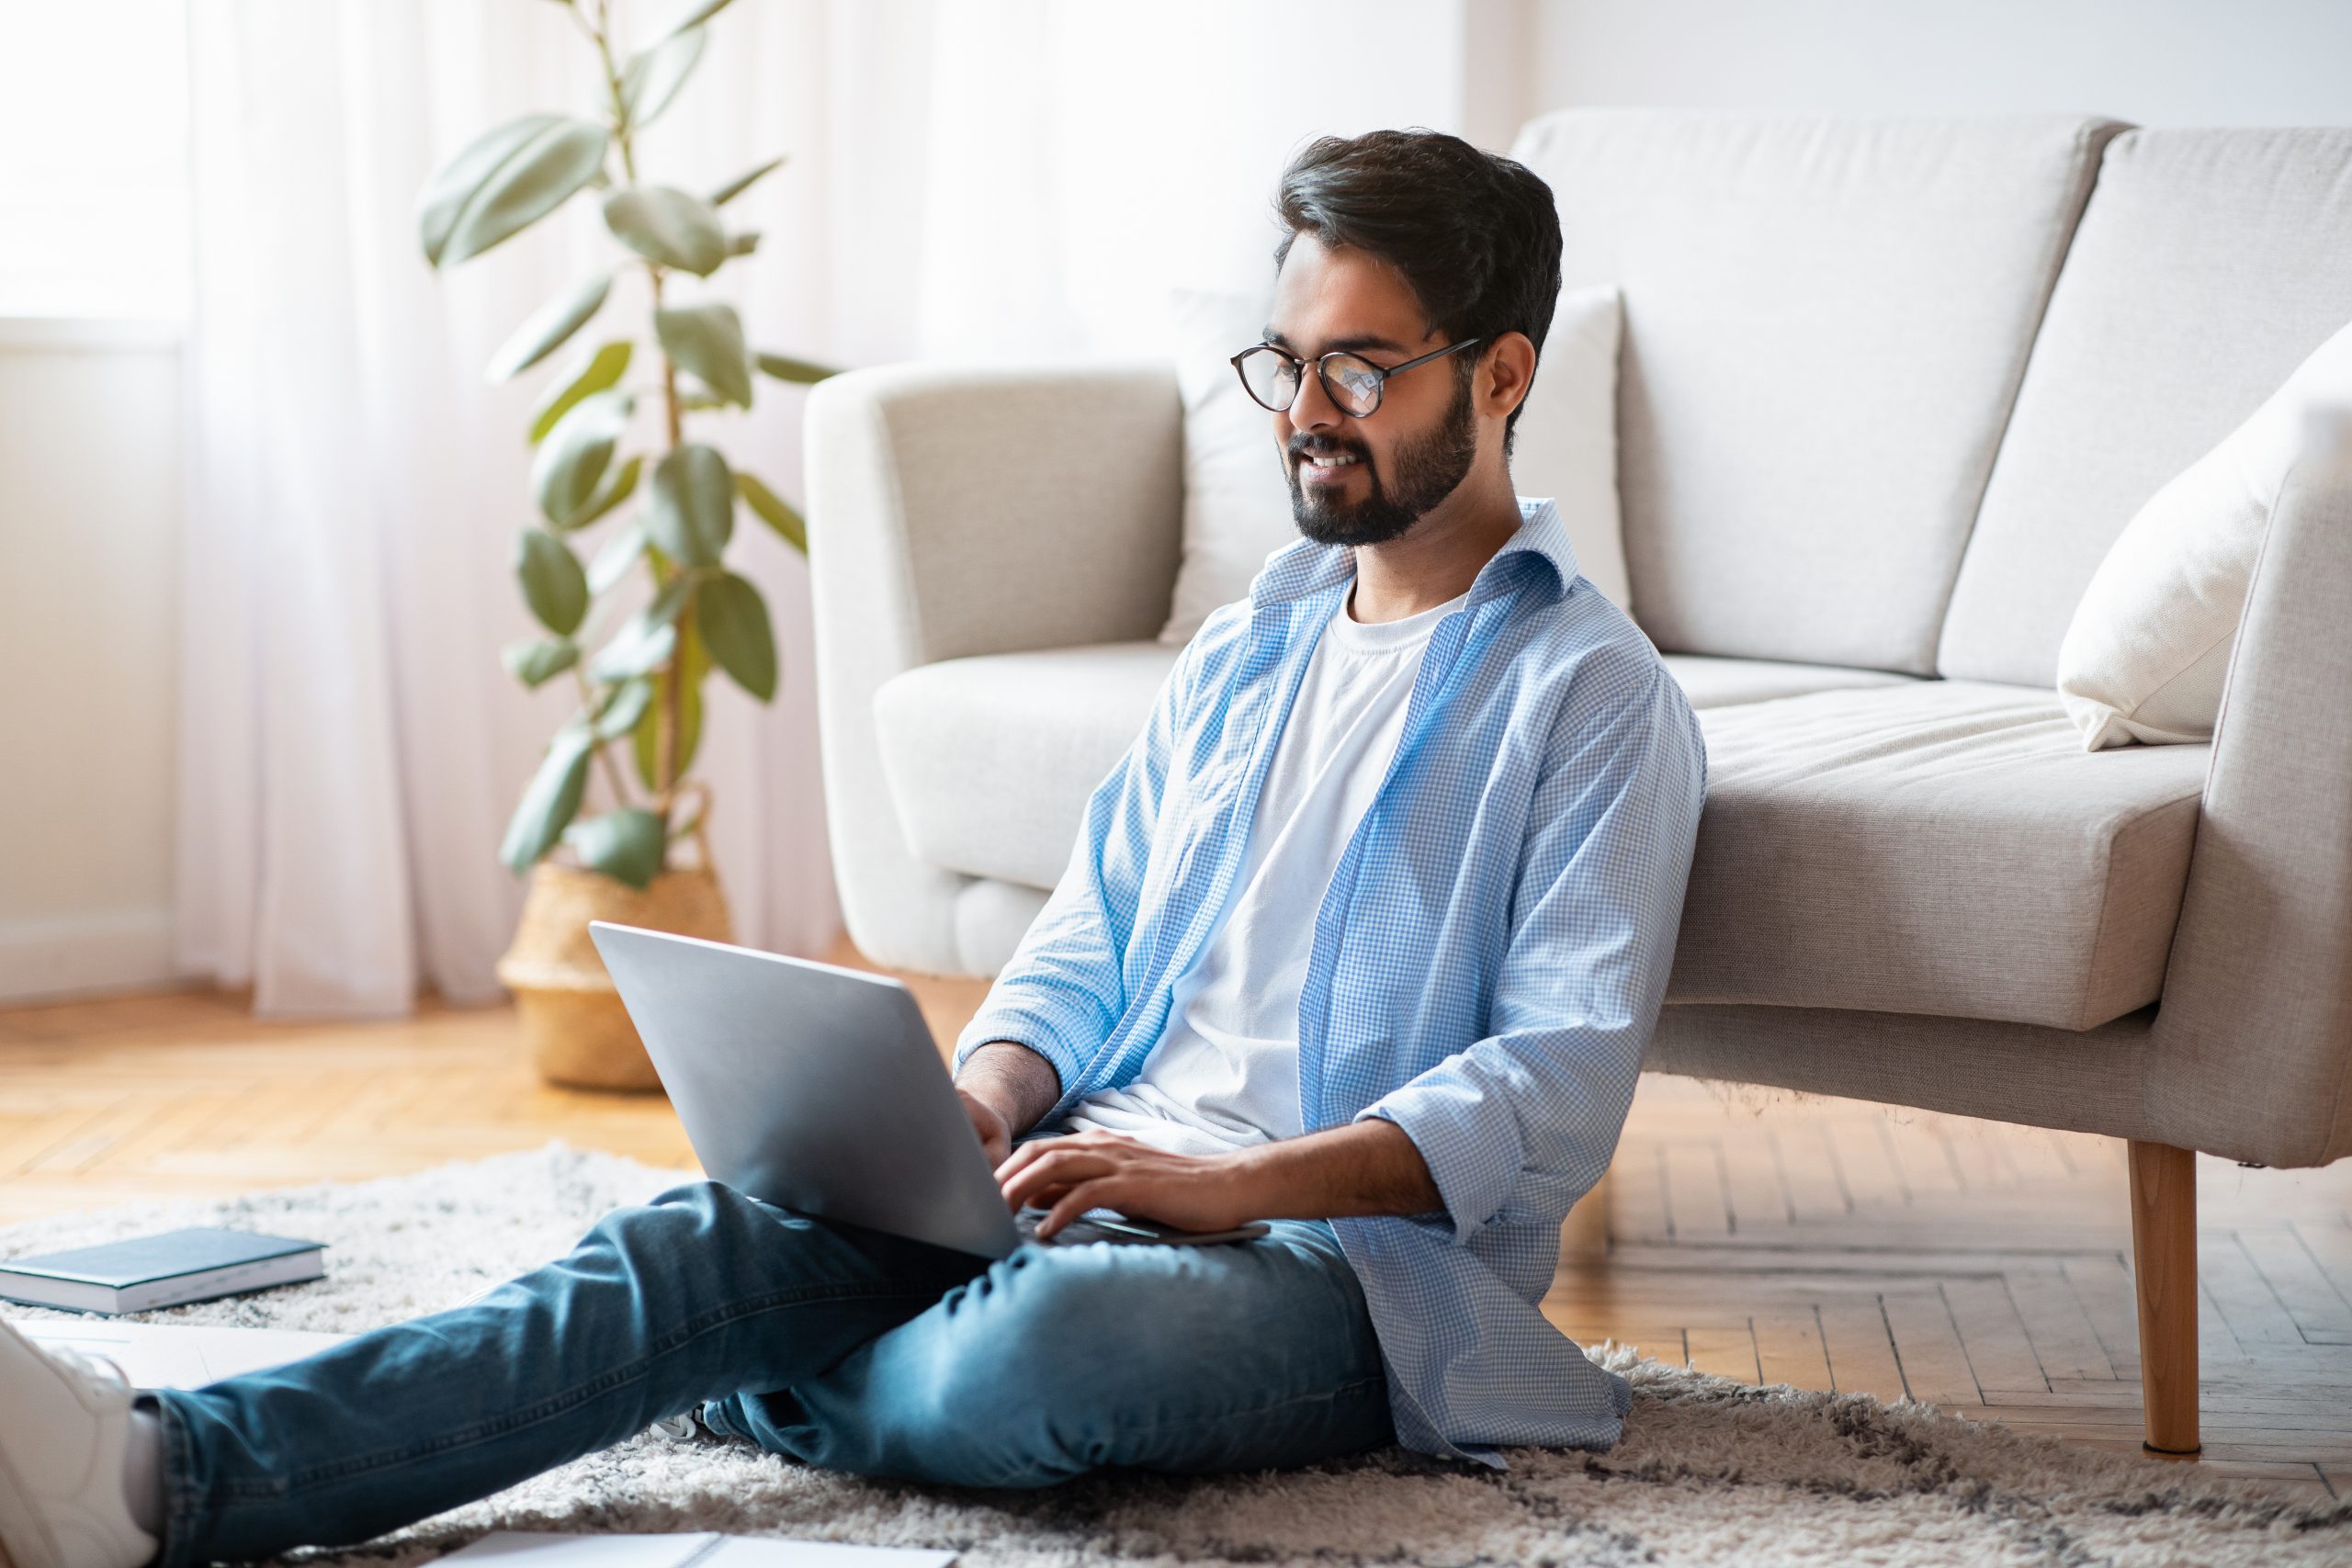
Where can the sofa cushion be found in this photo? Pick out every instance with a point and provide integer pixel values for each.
(2208, 265)
(991, 759)
(1825, 322)
(1713, 683)
(1940, 847)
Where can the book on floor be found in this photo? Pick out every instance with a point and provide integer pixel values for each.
(152, 1271)
(534, 1548)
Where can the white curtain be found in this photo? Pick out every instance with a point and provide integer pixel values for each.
(1015, 179)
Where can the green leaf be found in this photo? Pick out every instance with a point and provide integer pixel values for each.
(549, 801)
(602, 367)
(667, 226)
(743, 182)
(708, 341)
(733, 619)
(695, 14)
(617, 486)
(785, 369)
(690, 512)
(506, 180)
(694, 664)
(770, 510)
(654, 75)
(536, 660)
(553, 584)
(744, 243)
(575, 454)
(625, 843)
(621, 552)
(622, 706)
(646, 639)
(549, 327)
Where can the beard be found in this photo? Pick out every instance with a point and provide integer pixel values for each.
(1429, 468)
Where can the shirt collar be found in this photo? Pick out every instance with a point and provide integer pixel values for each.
(1304, 568)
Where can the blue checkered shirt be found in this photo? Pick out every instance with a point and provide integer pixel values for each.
(1487, 963)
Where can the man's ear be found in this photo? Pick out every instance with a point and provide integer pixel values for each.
(1505, 369)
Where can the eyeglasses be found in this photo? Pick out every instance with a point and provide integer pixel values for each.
(1354, 384)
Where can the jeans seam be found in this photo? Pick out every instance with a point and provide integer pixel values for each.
(182, 1501)
(553, 1404)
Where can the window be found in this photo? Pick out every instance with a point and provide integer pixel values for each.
(94, 160)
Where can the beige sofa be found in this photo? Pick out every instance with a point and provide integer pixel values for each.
(1888, 390)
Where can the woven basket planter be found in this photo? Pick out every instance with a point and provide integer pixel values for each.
(573, 1022)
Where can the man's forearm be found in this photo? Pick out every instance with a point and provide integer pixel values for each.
(1364, 1168)
(1018, 1082)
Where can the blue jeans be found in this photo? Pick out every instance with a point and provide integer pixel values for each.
(826, 1342)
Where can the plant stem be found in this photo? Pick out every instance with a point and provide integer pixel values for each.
(673, 676)
(613, 778)
(668, 721)
(602, 33)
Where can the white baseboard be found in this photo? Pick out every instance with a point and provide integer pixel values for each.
(44, 960)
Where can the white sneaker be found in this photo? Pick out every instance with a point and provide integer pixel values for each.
(63, 1421)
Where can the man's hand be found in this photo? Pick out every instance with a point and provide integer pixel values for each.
(996, 1135)
(1364, 1168)
(1095, 1169)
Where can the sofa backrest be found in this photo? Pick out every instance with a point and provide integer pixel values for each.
(1825, 325)
(2208, 264)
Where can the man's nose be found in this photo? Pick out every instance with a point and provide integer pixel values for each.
(1313, 408)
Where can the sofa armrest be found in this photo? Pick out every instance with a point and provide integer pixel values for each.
(960, 511)
(2251, 1054)
(956, 510)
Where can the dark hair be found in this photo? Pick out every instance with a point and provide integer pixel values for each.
(1475, 235)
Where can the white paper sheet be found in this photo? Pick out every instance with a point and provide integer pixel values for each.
(530, 1549)
(171, 1355)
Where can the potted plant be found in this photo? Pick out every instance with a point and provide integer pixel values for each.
(662, 518)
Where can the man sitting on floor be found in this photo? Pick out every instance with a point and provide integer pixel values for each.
(1365, 935)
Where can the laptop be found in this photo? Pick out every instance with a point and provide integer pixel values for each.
(820, 1088)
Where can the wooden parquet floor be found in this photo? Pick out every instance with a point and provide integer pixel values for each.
(1766, 1237)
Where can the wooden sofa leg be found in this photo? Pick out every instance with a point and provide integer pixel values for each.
(2164, 1267)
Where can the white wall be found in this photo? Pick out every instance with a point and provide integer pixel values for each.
(2153, 62)
(89, 530)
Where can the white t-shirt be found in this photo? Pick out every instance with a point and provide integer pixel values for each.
(1225, 1071)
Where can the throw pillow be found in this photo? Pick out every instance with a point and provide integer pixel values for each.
(1237, 498)
(2145, 654)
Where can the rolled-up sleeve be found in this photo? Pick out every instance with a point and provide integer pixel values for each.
(1541, 1099)
(1065, 987)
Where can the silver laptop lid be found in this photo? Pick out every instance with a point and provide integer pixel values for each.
(810, 1086)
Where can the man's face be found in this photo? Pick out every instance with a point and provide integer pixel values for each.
(1412, 451)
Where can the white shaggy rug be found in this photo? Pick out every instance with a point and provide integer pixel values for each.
(1710, 1472)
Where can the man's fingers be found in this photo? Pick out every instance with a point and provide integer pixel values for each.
(1094, 1194)
(1039, 1148)
(1036, 1148)
(1053, 1171)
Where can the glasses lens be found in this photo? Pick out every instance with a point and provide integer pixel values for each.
(1354, 383)
(1270, 379)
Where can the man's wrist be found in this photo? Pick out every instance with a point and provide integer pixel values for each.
(1362, 1167)
(1015, 1080)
